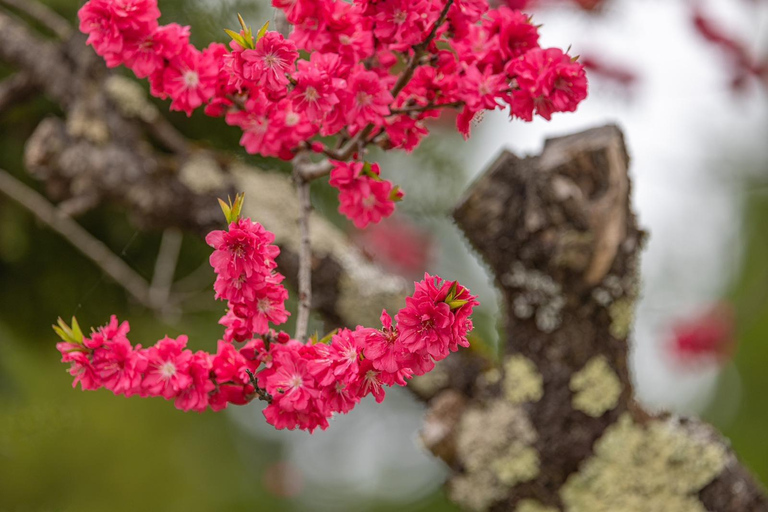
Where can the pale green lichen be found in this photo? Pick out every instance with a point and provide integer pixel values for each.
(622, 315)
(520, 463)
(522, 383)
(533, 506)
(657, 467)
(494, 444)
(596, 387)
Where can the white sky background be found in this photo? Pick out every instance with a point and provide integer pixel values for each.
(689, 138)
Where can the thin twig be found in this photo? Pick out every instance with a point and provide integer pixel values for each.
(43, 15)
(165, 267)
(305, 249)
(423, 108)
(418, 52)
(313, 171)
(86, 243)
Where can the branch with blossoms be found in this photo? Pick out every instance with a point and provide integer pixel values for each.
(304, 383)
(456, 53)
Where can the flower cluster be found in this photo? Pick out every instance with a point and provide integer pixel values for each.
(374, 71)
(305, 384)
(244, 262)
(364, 197)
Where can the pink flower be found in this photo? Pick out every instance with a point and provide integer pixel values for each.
(549, 81)
(80, 366)
(435, 319)
(269, 62)
(108, 22)
(346, 347)
(516, 34)
(425, 325)
(482, 90)
(369, 382)
(148, 54)
(167, 372)
(245, 248)
(315, 90)
(367, 99)
(119, 366)
(404, 23)
(364, 197)
(229, 365)
(340, 397)
(383, 347)
(296, 10)
(190, 79)
(194, 397)
(290, 383)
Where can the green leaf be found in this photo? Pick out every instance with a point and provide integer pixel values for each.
(227, 209)
(69, 334)
(328, 337)
(452, 292)
(262, 31)
(456, 304)
(239, 39)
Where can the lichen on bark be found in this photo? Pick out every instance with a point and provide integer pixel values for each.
(596, 387)
(642, 468)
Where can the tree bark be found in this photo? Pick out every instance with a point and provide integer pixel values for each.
(557, 427)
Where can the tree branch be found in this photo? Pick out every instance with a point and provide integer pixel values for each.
(165, 267)
(43, 15)
(305, 249)
(83, 241)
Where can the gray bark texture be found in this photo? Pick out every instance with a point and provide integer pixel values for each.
(555, 426)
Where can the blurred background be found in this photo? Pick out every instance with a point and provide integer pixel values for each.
(684, 80)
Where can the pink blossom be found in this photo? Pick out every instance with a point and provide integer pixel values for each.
(367, 99)
(108, 22)
(383, 347)
(369, 382)
(268, 63)
(167, 372)
(316, 86)
(230, 365)
(189, 80)
(194, 397)
(149, 53)
(549, 81)
(119, 366)
(364, 197)
(290, 382)
(80, 366)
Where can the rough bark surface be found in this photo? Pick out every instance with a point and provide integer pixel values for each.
(560, 237)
